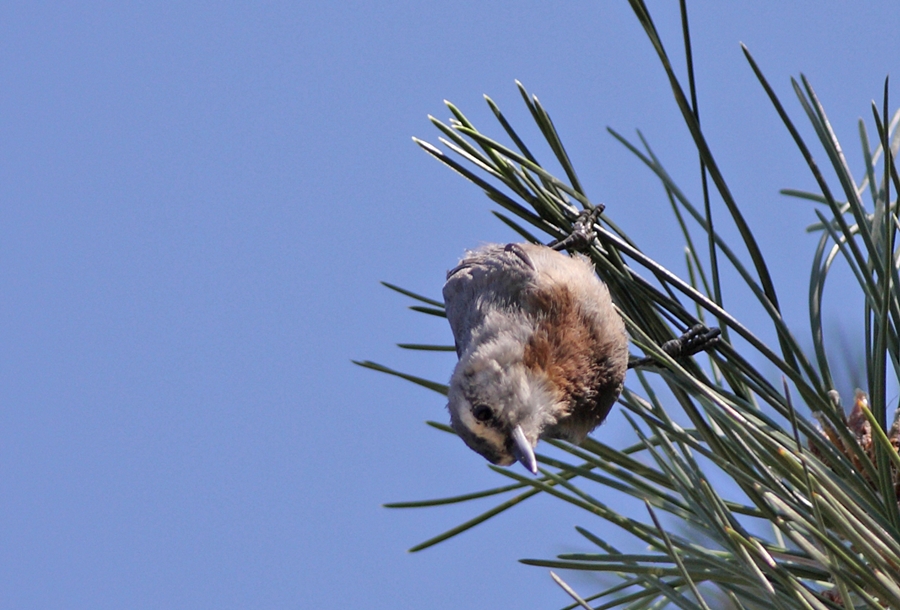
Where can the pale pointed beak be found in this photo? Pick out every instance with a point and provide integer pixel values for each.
(523, 451)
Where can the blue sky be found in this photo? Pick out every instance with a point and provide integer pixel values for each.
(197, 202)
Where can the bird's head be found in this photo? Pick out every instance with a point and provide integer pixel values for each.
(498, 406)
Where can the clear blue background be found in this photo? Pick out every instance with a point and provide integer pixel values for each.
(197, 202)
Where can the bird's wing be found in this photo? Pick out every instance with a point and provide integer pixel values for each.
(490, 277)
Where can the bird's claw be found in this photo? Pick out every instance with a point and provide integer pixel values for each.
(696, 339)
(583, 232)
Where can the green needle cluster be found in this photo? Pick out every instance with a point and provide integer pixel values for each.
(720, 447)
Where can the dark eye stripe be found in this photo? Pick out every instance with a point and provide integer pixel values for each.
(495, 455)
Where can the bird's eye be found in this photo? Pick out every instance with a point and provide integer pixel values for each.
(482, 413)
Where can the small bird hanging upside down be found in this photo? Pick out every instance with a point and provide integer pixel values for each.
(542, 351)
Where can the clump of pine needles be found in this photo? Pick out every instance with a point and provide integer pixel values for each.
(826, 483)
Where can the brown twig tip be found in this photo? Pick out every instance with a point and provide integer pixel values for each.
(860, 428)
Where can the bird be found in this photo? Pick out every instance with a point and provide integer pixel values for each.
(542, 351)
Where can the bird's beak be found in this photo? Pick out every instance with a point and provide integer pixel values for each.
(523, 451)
